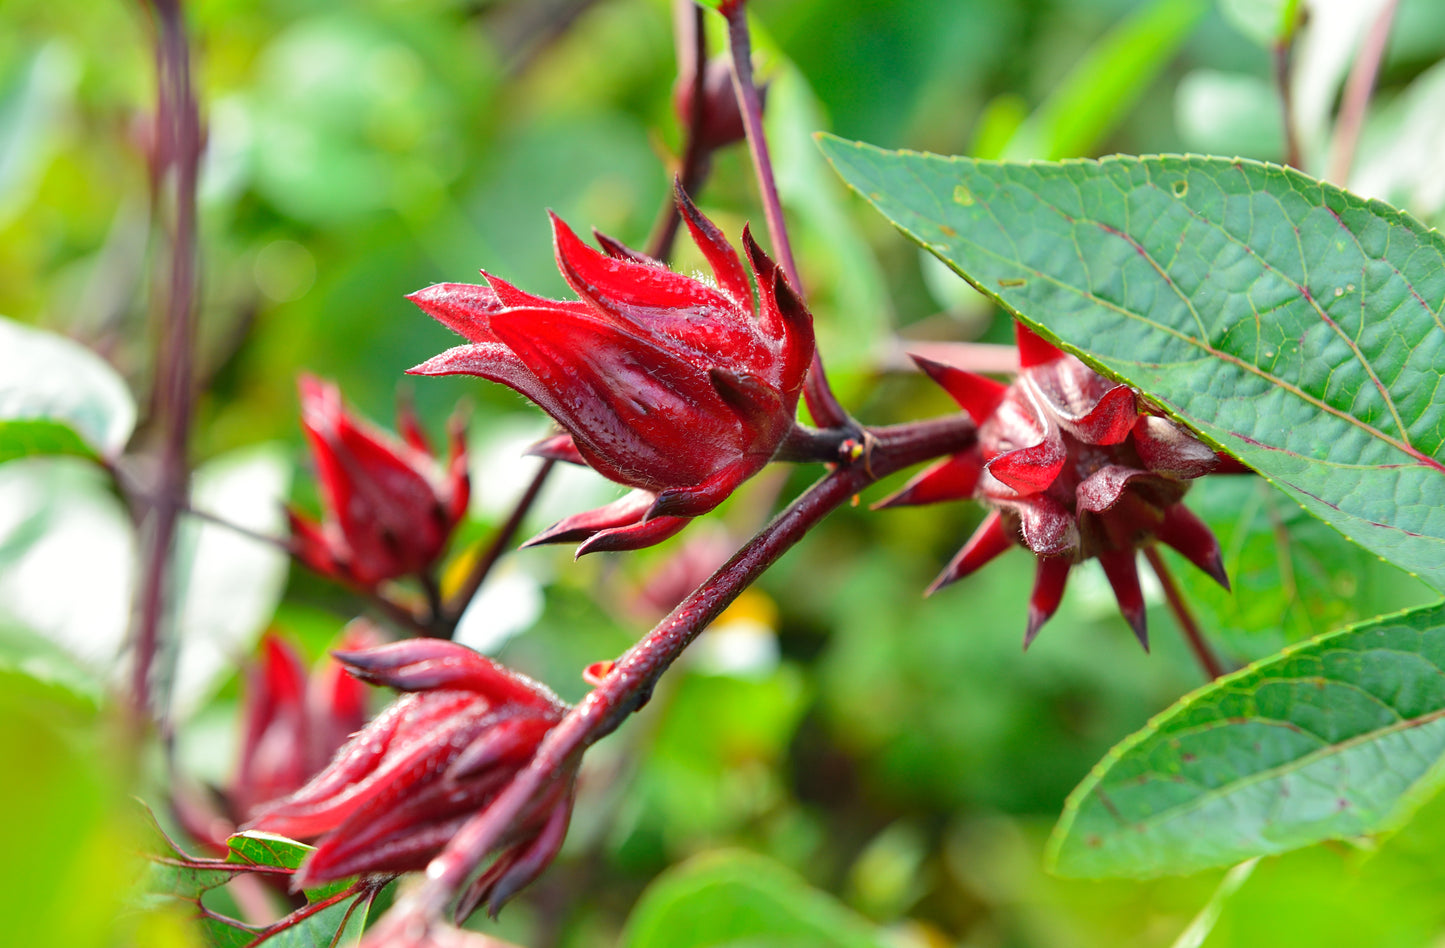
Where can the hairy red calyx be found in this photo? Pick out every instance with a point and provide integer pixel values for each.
(677, 387)
(1074, 467)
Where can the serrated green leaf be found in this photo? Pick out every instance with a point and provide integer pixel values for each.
(255, 848)
(738, 899)
(1339, 737)
(1292, 323)
(57, 397)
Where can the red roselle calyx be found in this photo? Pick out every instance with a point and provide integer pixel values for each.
(390, 508)
(292, 722)
(1073, 466)
(401, 787)
(665, 383)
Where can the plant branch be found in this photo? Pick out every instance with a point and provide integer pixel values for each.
(1283, 60)
(691, 69)
(1358, 89)
(823, 405)
(1208, 661)
(628, 684)
(499, 545)
(178, 141)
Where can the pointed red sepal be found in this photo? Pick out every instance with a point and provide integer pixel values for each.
(978, 395)
(988, 541)
(627, 509)
(1189, 535)
(1168, 449)
(1047, 528)
(635, 536)
(700, 498)
(1110, 421)
(953, 478)
(558, 447)
(1102, 489)
(408, 425)
(617, 250)
(1049, 581)
(1033, 348)
(732, 279)
(427, 664)
(1229, 464)
(1032, 469)
(1122, 571)
(464, 308)
(522, 862)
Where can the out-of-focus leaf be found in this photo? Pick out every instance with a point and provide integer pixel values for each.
(1265, 21)
(740, 900)
(67, 556)
(1099, 91)
(1293, 323)
(1222, 113)
(1342, 896)
(48, 381)
(1400, 152)
(1292, 575)
(228, 584)
(1322, 59)
(30, 108)
(1339, 737)
(63, 819)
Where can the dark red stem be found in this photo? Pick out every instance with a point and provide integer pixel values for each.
(627, 686)
(178, 142)
(499, 545)
(692, 69)
(1208, 661)
(1283, 57)
(823, 405)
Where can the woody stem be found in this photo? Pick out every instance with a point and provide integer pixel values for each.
(178, 152)
(692, 69)
(501, 542)
(822, 403)
(630, 681)
(1203, 654)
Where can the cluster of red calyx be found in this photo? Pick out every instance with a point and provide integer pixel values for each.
(390, 508)
(292, 722)
(399, 790)
(1073, 466)
(665, 383)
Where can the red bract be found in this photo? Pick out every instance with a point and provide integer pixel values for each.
(390, 508)
(1074, 466)
(402, 787)
(292, 723)
(665, 383)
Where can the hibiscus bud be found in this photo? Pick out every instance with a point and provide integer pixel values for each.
(389, 507)
(674, 386)
(291, 722)
(398, 791)
(1074, 466)
(722, 120)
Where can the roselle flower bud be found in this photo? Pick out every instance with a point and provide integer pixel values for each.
(292, 722)
(722, 120)
(401, 788)
(1073, 466)
(390, 508)
(665, 383)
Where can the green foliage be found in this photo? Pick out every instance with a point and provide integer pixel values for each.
(57, 397)
(1336, 738)
(1285, 319)
(739, 900)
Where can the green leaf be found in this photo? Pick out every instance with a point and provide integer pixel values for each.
(738, 899)
(1292, 323)
(1103, 86)
(1339, 737)
(57, 397)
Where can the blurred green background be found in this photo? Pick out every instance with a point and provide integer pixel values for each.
(899, 755)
